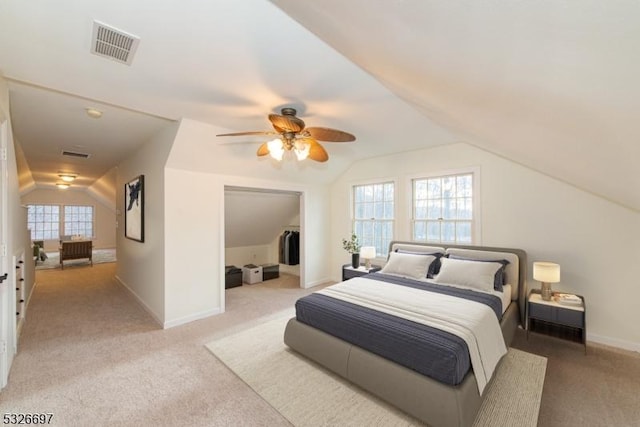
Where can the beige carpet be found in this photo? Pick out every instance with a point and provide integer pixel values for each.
(92, 356)
(308, 395)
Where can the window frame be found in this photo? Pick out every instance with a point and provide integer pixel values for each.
(62, 220)
(393, 221)
(33, 231)
(476, 220)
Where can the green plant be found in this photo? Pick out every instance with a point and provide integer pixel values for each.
(352, 246)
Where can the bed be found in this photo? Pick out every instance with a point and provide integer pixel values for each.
(403, 379)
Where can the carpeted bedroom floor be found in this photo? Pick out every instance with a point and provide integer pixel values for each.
(91, 355)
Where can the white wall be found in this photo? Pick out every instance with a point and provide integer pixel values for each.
(258, 254)
(194, 223)
(141, 266)
(104, 188)
(105, 216)
(16, 238)
(596, 242)
(193, 251)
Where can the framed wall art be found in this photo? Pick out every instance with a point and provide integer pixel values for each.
(134, 209)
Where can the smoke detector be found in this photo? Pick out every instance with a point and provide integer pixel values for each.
(109, 42)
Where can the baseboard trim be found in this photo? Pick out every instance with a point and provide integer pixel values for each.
(28, 300)
(317, 282)
(192, 317)
(614, 342)
(140, 301)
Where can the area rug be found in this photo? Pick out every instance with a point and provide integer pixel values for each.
(308, 395)
(99, 256)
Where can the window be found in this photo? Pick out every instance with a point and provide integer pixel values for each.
(443, 209)
(43, 221)
(78, 220)
(373, 215)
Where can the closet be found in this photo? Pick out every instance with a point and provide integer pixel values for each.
(262, 230)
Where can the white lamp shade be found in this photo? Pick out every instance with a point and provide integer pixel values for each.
(302, 150)
(546, 272)
(276, 148)
(368, 252)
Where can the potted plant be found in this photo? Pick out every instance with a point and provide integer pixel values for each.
(353, 247)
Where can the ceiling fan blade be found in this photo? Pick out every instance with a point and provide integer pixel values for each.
(316, 151)
(259, 132)
(263, 150)
(286, 123)
(329, 135)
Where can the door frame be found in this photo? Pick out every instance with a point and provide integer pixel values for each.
(7, 298)
(267, 188)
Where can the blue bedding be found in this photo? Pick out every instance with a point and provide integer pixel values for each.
(424, 349)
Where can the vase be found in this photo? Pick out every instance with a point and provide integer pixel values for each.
(355, 260)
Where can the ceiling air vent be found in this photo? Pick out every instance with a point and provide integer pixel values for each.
(113, 43)
(75, 154)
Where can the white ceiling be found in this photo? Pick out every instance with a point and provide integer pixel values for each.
(550, 85)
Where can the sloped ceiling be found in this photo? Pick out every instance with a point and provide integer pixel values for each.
(549, 84)
(257, 218)
(552, 85)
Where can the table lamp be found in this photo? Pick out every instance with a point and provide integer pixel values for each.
(368, 253)
(546, 273)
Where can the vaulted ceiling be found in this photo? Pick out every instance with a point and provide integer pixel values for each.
(550, 85)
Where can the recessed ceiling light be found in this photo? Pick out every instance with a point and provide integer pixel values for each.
(93, 113)
(62, 185)
(67, 177)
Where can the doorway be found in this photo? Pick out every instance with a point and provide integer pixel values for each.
(263, 228)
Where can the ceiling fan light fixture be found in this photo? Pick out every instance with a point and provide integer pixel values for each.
(296, 137)
(62, 185)
(276, 149)
(302, 150)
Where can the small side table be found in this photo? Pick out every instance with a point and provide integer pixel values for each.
(553, 318)
(348, 272)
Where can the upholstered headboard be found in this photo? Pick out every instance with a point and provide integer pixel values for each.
(516, 270)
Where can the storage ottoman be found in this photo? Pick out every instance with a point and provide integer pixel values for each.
(251, 274)
(232, 276)
(270, 271)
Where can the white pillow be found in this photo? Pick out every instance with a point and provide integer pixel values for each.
(408, 265)
(472, 274)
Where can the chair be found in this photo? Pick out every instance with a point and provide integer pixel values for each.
(38, 251)
(76, 250)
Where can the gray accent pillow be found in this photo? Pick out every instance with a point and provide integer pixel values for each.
(499, 280)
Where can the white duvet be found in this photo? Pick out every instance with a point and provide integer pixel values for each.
(474, 322)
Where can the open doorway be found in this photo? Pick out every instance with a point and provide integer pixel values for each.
(262, 240)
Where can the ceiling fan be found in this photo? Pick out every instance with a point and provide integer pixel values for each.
(293, 136)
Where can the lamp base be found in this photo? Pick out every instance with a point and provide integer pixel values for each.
(545, 291)
(367, 264)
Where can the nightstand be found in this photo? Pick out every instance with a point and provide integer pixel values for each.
(348, 272)
(559, 320)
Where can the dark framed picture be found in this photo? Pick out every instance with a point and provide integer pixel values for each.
(134, 209)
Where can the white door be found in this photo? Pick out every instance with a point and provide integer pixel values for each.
(7, 287)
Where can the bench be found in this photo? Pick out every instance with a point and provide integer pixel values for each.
(76, 250)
